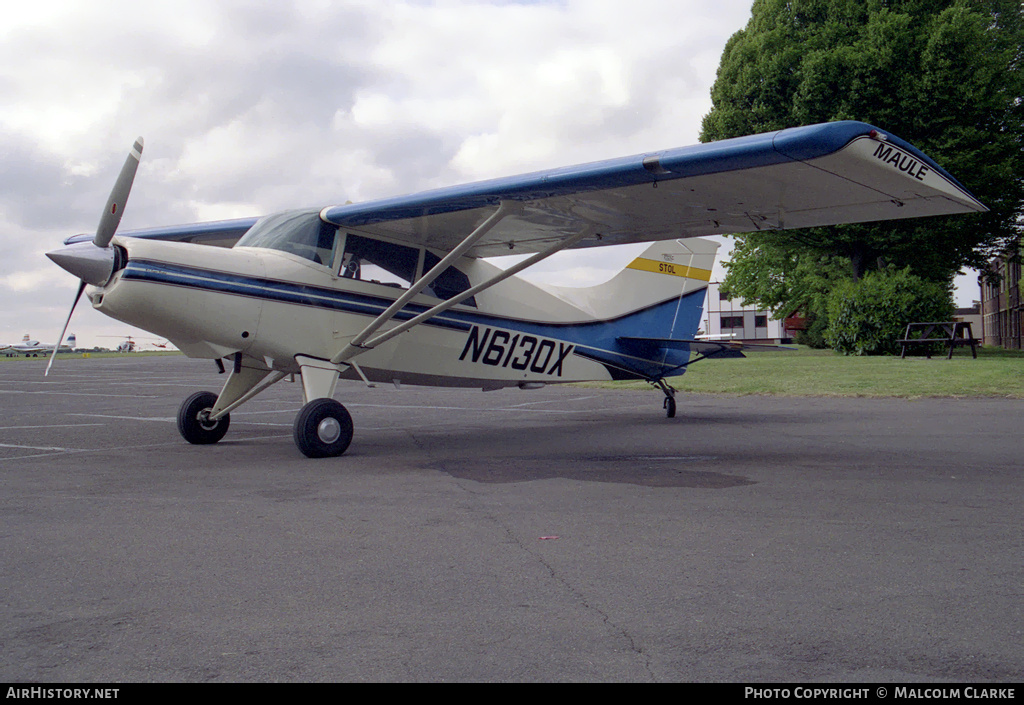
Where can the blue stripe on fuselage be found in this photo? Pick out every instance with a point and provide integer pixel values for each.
(595, 340)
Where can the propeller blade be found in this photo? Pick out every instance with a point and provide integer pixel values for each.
(81, 288)
(111, 217)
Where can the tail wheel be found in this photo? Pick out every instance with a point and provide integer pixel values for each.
(669, 404)
(194, 423)
(323, 429)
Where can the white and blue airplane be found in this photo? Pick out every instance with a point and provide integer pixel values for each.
(399, 289)
(33, 348)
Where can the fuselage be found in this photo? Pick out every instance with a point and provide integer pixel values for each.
(271, 305)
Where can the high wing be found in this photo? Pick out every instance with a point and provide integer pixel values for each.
(223, 233)
(838, 172)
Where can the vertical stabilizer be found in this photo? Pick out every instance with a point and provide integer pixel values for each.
(656, 297)
(666, 270)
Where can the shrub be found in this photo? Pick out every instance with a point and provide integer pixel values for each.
(869, 316)
(814, 336)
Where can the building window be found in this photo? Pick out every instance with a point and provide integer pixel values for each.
(761, 321)
(732, 321)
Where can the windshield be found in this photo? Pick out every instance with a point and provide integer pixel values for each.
(301, 233)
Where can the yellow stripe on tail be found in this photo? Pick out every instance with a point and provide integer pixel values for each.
(671, 268)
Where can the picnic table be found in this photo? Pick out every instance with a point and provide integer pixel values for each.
(951, 334)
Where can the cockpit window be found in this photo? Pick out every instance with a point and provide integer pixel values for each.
(301, 233)
(379, 262)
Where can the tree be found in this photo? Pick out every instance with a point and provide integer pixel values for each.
(947, 75)
(783, 279)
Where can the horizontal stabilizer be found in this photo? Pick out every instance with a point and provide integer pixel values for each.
(723, 349)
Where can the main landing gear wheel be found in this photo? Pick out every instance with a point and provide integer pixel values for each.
(194, 423)
(323, 429)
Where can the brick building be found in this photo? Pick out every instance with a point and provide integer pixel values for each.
(1002, 305)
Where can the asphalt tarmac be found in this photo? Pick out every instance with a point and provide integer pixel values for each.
(563, 534)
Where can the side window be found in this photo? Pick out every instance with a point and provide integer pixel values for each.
(379, 262)
(451, 282)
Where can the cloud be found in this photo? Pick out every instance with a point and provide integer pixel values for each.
(253, 107)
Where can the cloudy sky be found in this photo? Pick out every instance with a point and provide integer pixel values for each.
(251, 107)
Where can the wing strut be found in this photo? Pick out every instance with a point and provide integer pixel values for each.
(351, 350)
(355, 346)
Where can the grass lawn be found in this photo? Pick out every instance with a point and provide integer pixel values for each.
(807, 372)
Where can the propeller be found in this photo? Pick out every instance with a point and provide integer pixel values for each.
(96, 266)
(81, 288)
(111, 217)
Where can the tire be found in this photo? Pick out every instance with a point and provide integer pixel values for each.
(323, 429)
(670, 407)
(193, 424)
